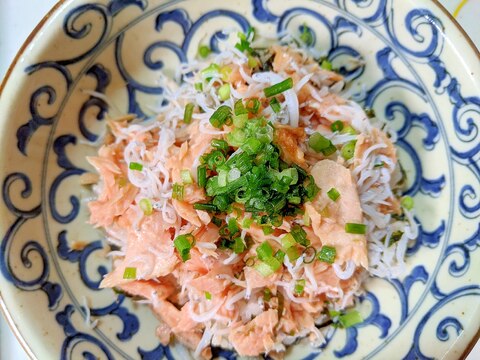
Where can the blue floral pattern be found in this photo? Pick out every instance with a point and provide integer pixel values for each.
(402, 45)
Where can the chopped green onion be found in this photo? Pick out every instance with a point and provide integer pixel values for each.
(146, 206)
(198, 86)
(130, 273)
(239, 108)
(178, 191)
(202, 176)
(252, 62)
(183, 244)
(224, 92)
(311, 188)
(238, 246)
(327, 254)
(264, 251)
(379, 165)
(299, 235)
(220, 116)
(279, 255)
(349, 130)
(353, 228)
(246, 223)
(275, 105)
(267, 294)
(267, 230)
(337, 126)
(306, 219)
(232, 226)
(236, 137)
(407, 202)
(208, 296)
(204, 51)
(225, 72)
(205, 207)
(318, 142)
(279, 88)
(331, 149)
(221, 145)
(326, 65)
(350, 319)
(333, 194)
(252, 105)
(218, 222)
(288, 241)
(135, 166)
(299, 286)
(293, 253)
(186, 176)
(348, 150)
(239, 121)
(309, 255)
(210, 71)
(187, 115)
(251, 146)
(294, 200)
(263, 268)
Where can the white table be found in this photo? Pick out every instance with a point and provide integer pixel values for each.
(19, 17)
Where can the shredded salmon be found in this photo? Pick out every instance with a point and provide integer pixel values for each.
(215, 297)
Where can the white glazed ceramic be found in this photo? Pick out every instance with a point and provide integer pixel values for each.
(419, 73)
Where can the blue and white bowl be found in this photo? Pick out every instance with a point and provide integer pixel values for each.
(419, 73)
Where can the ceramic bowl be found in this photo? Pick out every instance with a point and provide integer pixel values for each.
(419, 73)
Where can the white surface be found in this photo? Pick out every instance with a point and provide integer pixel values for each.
(17, 20)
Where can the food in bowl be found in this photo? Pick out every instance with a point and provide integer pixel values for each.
(251, 209)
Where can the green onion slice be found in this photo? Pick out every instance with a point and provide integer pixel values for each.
(178, 191)
(183, 244)
(299, 235)
(288, 241)
(348, 150)
(252, 105)
(186, 176)
(146, 206)
(333, 194)
(224, 92)
(130, 273)
(350, 319)
(275, 105)
(327, 254)
(407, 202)
(238, 246)
(326, 65)
(202, 176)
(208, 296)
(205, 207)
(353, 228)
(135, 166)
(279, 88)
(187, 115)
(264, 251)
(337, 126)
(299, 286)
(220, 116)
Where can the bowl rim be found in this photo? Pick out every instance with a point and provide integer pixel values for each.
(3, 307)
